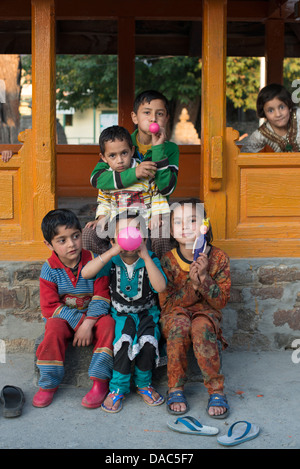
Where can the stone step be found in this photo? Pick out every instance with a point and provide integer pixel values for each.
(77, 361)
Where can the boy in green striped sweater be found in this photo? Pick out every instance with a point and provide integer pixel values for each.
(154, 160)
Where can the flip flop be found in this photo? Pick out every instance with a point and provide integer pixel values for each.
(191, 426)
(115, 397)
(13, 400)
(148, 392)
(240, 434)
(176, 396)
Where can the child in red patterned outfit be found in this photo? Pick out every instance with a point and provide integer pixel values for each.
(190, 308)
(72, 308)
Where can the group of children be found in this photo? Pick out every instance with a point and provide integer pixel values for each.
(93, 291)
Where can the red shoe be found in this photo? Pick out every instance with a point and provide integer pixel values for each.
(43, 397)
(96, 395)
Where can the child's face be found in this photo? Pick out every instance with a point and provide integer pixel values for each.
(67, 244)
(147, 113)
(186, 222)
(118, 155)
(277, 113)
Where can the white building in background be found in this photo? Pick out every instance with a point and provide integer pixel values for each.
(84, 127)
(80, 127)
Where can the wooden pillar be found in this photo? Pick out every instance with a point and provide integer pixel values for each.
(43, 110)
(126, 71)
(274, 50)
(214, 111)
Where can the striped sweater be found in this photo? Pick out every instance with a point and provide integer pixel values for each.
(142, 195)
(62, 295)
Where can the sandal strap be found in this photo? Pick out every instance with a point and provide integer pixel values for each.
(218, 400)
(176, 396)
(115, 397)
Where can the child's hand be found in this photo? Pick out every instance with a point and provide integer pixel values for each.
(100, 221)
(143, 251)
(84, 334)
(155, 222)
(202, 263)
(160, 137)
(146, 169)
(92, 224)
(194, 275)
(6, 155)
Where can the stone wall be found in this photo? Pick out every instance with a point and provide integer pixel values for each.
(263, 312)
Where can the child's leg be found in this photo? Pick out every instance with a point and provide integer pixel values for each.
(51, 352)
(92, 242)
(121, 374)
(206, 351)
(144, 364)
(102, 359)
(176, 329)
(100, 369)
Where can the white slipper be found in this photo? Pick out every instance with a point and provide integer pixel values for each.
(236, 435)
(191, 426)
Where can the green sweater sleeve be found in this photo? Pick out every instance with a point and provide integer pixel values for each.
(166, 156)
(103, 178)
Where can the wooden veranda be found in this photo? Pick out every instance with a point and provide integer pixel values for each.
(252, 200)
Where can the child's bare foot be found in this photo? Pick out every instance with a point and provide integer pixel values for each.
(177, 402)
(221, 407)
(113, 403)
(150, 396)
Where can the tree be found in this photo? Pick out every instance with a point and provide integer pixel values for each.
(10, 66)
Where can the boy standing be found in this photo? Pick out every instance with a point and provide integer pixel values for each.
(157, 157)
(72, 307)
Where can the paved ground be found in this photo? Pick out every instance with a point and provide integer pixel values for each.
(261, 387)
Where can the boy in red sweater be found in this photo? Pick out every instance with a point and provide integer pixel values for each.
(72, 308)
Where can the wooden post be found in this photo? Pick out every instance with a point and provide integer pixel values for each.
(43, 110)
(214, 112)
(274, 50)
(126, 71)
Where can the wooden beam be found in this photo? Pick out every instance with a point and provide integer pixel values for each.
(43, 110)
(274, 50)
(281, 8)
(126, 71)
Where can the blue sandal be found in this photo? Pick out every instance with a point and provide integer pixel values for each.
(218, 400)
(148, 392)
(177, 396)
(115, 398)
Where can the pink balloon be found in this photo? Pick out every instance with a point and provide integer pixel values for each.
(154, 128)
(129, 238)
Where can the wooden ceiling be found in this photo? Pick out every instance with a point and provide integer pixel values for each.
(170, 28)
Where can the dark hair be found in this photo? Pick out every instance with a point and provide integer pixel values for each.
(194, 202)
(56, 218)
(127, 215)
(270, 92)
(115, 132)
(147, 97)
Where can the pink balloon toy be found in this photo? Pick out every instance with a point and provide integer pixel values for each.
(154, 128)
(129, 238)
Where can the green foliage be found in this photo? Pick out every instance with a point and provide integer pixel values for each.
(86, 81)
(179, 78)
(242, 80)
